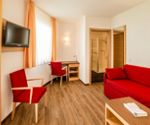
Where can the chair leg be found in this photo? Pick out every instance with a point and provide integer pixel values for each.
(13, 112)
(61, 78)
(36, 113)
(51, 79)
(46, 96)
(66, 77)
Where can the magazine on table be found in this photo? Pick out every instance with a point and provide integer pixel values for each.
(135, 110)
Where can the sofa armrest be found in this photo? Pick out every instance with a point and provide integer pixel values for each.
(25, 88)
(105, 76)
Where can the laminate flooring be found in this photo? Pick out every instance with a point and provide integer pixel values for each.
(71, 104)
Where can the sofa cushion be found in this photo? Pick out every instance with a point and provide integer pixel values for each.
(138, 74)
(131, 88)
(115, 73)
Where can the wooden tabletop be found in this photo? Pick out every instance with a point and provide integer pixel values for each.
(117, 106)
(69, 62)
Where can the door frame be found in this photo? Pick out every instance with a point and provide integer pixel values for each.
(125, 41)
(0, 57)
(109, 49)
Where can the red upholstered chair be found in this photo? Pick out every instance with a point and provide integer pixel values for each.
(57, 70)
(23, 93)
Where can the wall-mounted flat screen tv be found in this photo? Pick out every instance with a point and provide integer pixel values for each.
(15, 35)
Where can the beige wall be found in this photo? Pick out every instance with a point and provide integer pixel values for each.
(93, 22)
(137, 21)
(14, 10)
(66, 49)
(83, 43)
(81, 47)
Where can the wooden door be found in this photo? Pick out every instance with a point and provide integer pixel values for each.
(100, 48)
(99, 51)
(103, 51)
(119, 46)
(94, 54)
(118, 49)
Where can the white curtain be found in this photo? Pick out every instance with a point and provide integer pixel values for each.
(43, 38)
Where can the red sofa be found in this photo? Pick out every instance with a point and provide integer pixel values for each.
(133, 81)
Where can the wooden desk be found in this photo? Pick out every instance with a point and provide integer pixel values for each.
(69, 62)
(72, 69)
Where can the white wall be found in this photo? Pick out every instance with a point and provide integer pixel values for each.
(83, 42)
(10, 62)
(98, 22)
(14, 11)
(81, 48)
(66, 49)
(76, 30)
(137, 21)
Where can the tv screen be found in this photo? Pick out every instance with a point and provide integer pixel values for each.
(15, 35)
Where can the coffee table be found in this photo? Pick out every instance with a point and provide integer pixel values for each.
(117, 114)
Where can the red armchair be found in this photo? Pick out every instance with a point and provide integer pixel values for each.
(57, 70)
(23, 93)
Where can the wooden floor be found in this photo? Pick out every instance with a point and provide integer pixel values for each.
(71, 104)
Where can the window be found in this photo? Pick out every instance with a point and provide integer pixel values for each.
(43, 38)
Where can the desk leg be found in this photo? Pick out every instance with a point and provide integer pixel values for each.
(67, 74)
(61, 79)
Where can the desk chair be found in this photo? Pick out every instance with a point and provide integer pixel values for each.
(58, 71)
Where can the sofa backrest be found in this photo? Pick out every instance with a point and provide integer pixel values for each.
(138, 74)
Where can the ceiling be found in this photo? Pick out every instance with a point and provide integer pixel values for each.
(77, 8)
